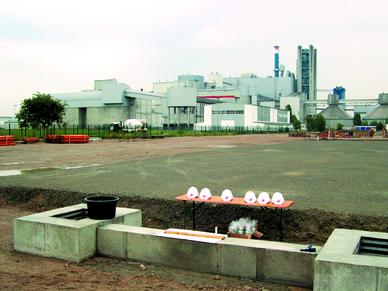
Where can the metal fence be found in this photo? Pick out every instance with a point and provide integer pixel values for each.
(105, 131)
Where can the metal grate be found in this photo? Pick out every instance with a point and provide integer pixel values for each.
(74, 215)
(373, 246)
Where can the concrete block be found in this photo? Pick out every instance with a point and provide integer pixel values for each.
(87, 241)
(293, 268)
(238, 260)
(178, 253)
(134, 218)
(339, 267)
(29, 236)
(345, 277)
(268, 261)
(73, 240)
(63, 241)
(264, 260)
(382, 279)
(147, 245)
(111, 241)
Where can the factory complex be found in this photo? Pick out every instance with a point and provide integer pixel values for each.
(247, 101)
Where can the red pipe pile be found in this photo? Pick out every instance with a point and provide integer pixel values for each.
(74, 138)
(6, 140)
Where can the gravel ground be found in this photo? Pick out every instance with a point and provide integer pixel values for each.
(339, 176)
(335, 184)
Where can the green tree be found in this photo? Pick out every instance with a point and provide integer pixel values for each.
(339, 126)
(320, 122)
(292, 117)
(379, 126)
(357, 119)
(316, 123)
(310, 123)
(297, 125)
(40, 111)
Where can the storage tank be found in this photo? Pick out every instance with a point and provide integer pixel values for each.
(340, 91)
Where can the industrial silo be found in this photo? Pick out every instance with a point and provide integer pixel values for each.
(334, 114)
(380, 114)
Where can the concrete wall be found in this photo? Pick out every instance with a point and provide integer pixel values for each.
(254, 259)
(220, 92)
(273, 115)
(268, 87)
(99, 115)
(194, 81)
(181, 97)
(73, 240)
(243, 115)
(87, 98)
(296, 103)
(162, 87)
(250, 113)
(114, 93)
(339, 267)
(332, 123)
(228, 111)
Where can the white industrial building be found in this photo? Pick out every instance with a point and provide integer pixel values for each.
(246, 116)
(191, 101)
(111, 101)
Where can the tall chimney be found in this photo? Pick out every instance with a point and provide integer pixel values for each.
(276, 68)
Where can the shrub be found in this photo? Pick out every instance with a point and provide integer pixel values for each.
(357, 119)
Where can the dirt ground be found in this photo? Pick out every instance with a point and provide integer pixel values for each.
(20, 271)
(46, 155)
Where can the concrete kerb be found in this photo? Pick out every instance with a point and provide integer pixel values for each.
(263, 260)
(336, 267)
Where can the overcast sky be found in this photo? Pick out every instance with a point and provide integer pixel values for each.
(62, 46)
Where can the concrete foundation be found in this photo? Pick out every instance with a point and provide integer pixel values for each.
(339, 266)
(73, 240)
(263, 260)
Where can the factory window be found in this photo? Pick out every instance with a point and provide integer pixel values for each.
(228, 112)
(263, 113)
(282, 116)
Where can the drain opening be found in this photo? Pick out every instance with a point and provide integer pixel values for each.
(73, 215)
(373, 246)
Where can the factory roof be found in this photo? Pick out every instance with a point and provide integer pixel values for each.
(335, 112)
(380, 113)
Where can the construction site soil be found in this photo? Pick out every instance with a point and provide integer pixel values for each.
(20, 271)
(307, 224)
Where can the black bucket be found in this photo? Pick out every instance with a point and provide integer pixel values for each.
(101, 207)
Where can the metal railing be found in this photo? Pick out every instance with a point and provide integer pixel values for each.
(105, 131)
